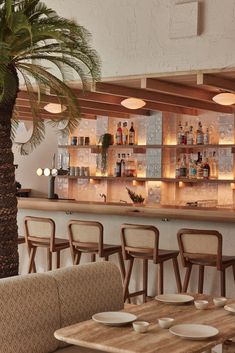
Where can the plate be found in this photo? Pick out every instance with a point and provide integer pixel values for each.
(194, 331)
(230, 308)
(114, 318)
(174, 298)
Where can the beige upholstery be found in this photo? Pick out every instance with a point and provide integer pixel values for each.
(29, 307)
(32, 307)
(140, 238)
(200, 243)
(85, 233)
(101, 290)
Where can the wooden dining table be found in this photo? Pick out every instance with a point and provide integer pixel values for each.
(124, 339)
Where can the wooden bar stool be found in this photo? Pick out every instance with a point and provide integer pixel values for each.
(87, 237)
(40, 232)
(203, 248)
(141, 242)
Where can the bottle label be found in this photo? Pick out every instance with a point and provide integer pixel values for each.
(205, 173)
(200, 139)
(131, 138)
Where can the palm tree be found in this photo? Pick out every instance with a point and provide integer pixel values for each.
(33, 39)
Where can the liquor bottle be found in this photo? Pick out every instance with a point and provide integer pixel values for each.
(192, 168)
(132, 134)
(183, 168)
(206, 137)
(119, 134)
(199, 166)
(123, 165)
(177, 169)
(118, 166)
(190, 136)
(214, 167)
(125, 134)
(185, 134)
(199, 134)
(206, 169)
(179, 134)
(131, 167)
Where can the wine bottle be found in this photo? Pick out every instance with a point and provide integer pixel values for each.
(132, 134)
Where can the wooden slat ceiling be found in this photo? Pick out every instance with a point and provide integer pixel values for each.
(188, 93)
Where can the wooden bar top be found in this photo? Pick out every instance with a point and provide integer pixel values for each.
(129, 210)
(124, 340)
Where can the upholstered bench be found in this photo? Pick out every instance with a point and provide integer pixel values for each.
(33, 306)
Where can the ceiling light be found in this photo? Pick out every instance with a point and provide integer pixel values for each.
(133, 103)
(225, 98)
(55, 108)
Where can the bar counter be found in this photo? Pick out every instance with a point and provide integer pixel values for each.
(120, 209)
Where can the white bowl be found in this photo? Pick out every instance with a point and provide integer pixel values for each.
(165, 322)
(221, 301)
(201, 304)
(140, 326)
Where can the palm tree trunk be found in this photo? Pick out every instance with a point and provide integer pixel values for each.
(9, 259)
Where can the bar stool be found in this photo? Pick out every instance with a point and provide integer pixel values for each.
(40, 232)
(86, 237)
(141, 242)
(203, 248)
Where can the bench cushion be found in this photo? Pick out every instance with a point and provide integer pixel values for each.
(87, 289)
(29, 308)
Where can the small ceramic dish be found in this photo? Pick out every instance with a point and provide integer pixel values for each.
(219, 302)
(140, 326)
(201, 304)
(165, 322)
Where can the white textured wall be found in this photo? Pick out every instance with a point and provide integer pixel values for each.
(132, 36)
(40, 157)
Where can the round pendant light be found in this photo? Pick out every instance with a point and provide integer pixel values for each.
(133, 103)
(225, 98)
(55, 108)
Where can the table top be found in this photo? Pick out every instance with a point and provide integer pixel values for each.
(157, 340)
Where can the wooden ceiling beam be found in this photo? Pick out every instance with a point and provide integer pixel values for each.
(216, 81)
(176, 89)
(161, 97)
(28, 116)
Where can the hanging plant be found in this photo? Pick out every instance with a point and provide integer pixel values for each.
(106, 140)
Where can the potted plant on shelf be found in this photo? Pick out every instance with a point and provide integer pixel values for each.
(137, 199)
(105, 140)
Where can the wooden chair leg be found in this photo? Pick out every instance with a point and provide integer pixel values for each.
(58, 259)
(186, 279)
(145, 279)
(92, 257)
(177, 274)
(200, 279)
(222, 283)
(32, 266)
(122, 266)
(127, 278)
(49, 259)
(77, 258)
(160, 278)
